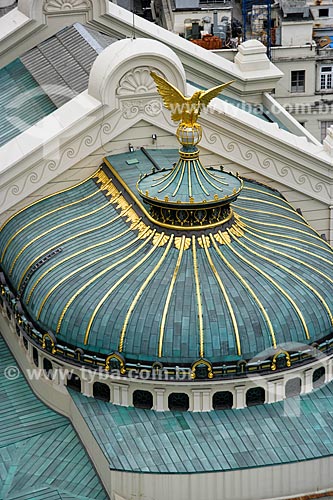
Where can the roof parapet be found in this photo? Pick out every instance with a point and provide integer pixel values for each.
(252, 57)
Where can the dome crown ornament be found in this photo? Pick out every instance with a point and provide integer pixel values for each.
(185, 109)
(189, 194)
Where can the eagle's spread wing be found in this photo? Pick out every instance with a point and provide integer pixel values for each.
(173, 99)
(207, 96)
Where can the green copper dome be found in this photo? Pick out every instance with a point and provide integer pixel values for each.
(93, 268)
(189, 182)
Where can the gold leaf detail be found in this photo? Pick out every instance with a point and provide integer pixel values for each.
(201, 241)
(122, 203)
(113, 191)
(219, 238)
(132, 216)
(178, 242)
(141, 227)
(226, 236)
(142, 231)
(222, 238)
(236, 231)
(102, 177)
(134, 224)
(240, 228)
(162, 242)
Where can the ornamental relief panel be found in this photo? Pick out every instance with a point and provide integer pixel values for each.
(66, 5)
(137, 81)
(130, 109)
(277, 169)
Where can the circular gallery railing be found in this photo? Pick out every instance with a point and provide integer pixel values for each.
(201, 369)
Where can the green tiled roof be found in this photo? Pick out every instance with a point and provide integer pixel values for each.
(189, 180)
(110, 288)
(46, 77)
(41, 456)
(22, 101)
(185, 442)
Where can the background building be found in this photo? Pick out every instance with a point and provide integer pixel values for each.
(298, 36)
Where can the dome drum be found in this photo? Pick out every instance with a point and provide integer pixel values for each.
(199, 371)
(200, 392)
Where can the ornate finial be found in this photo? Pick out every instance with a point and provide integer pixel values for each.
(186, 110)
(188, 195)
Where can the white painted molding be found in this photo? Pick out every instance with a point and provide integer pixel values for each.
(32, 160)
(33, 21)
(115, 64)
(6, 3)
(328, 142)
(270, 151)
(83, 125)
(287, 119)
(196, 60)
(252, 58)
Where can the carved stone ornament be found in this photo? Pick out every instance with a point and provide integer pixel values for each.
(66, 5)
(275, 168)
(150, 107)
(137, 81)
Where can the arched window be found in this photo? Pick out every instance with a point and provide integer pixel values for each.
(178, 401)
(101, 391)
(223, 400)
(35, 356)
(255, 396)
(48, 367)
(143, 399)
(293, 387)
(74, 382)
(318, 377)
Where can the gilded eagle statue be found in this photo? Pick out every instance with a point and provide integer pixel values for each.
(185, 109)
